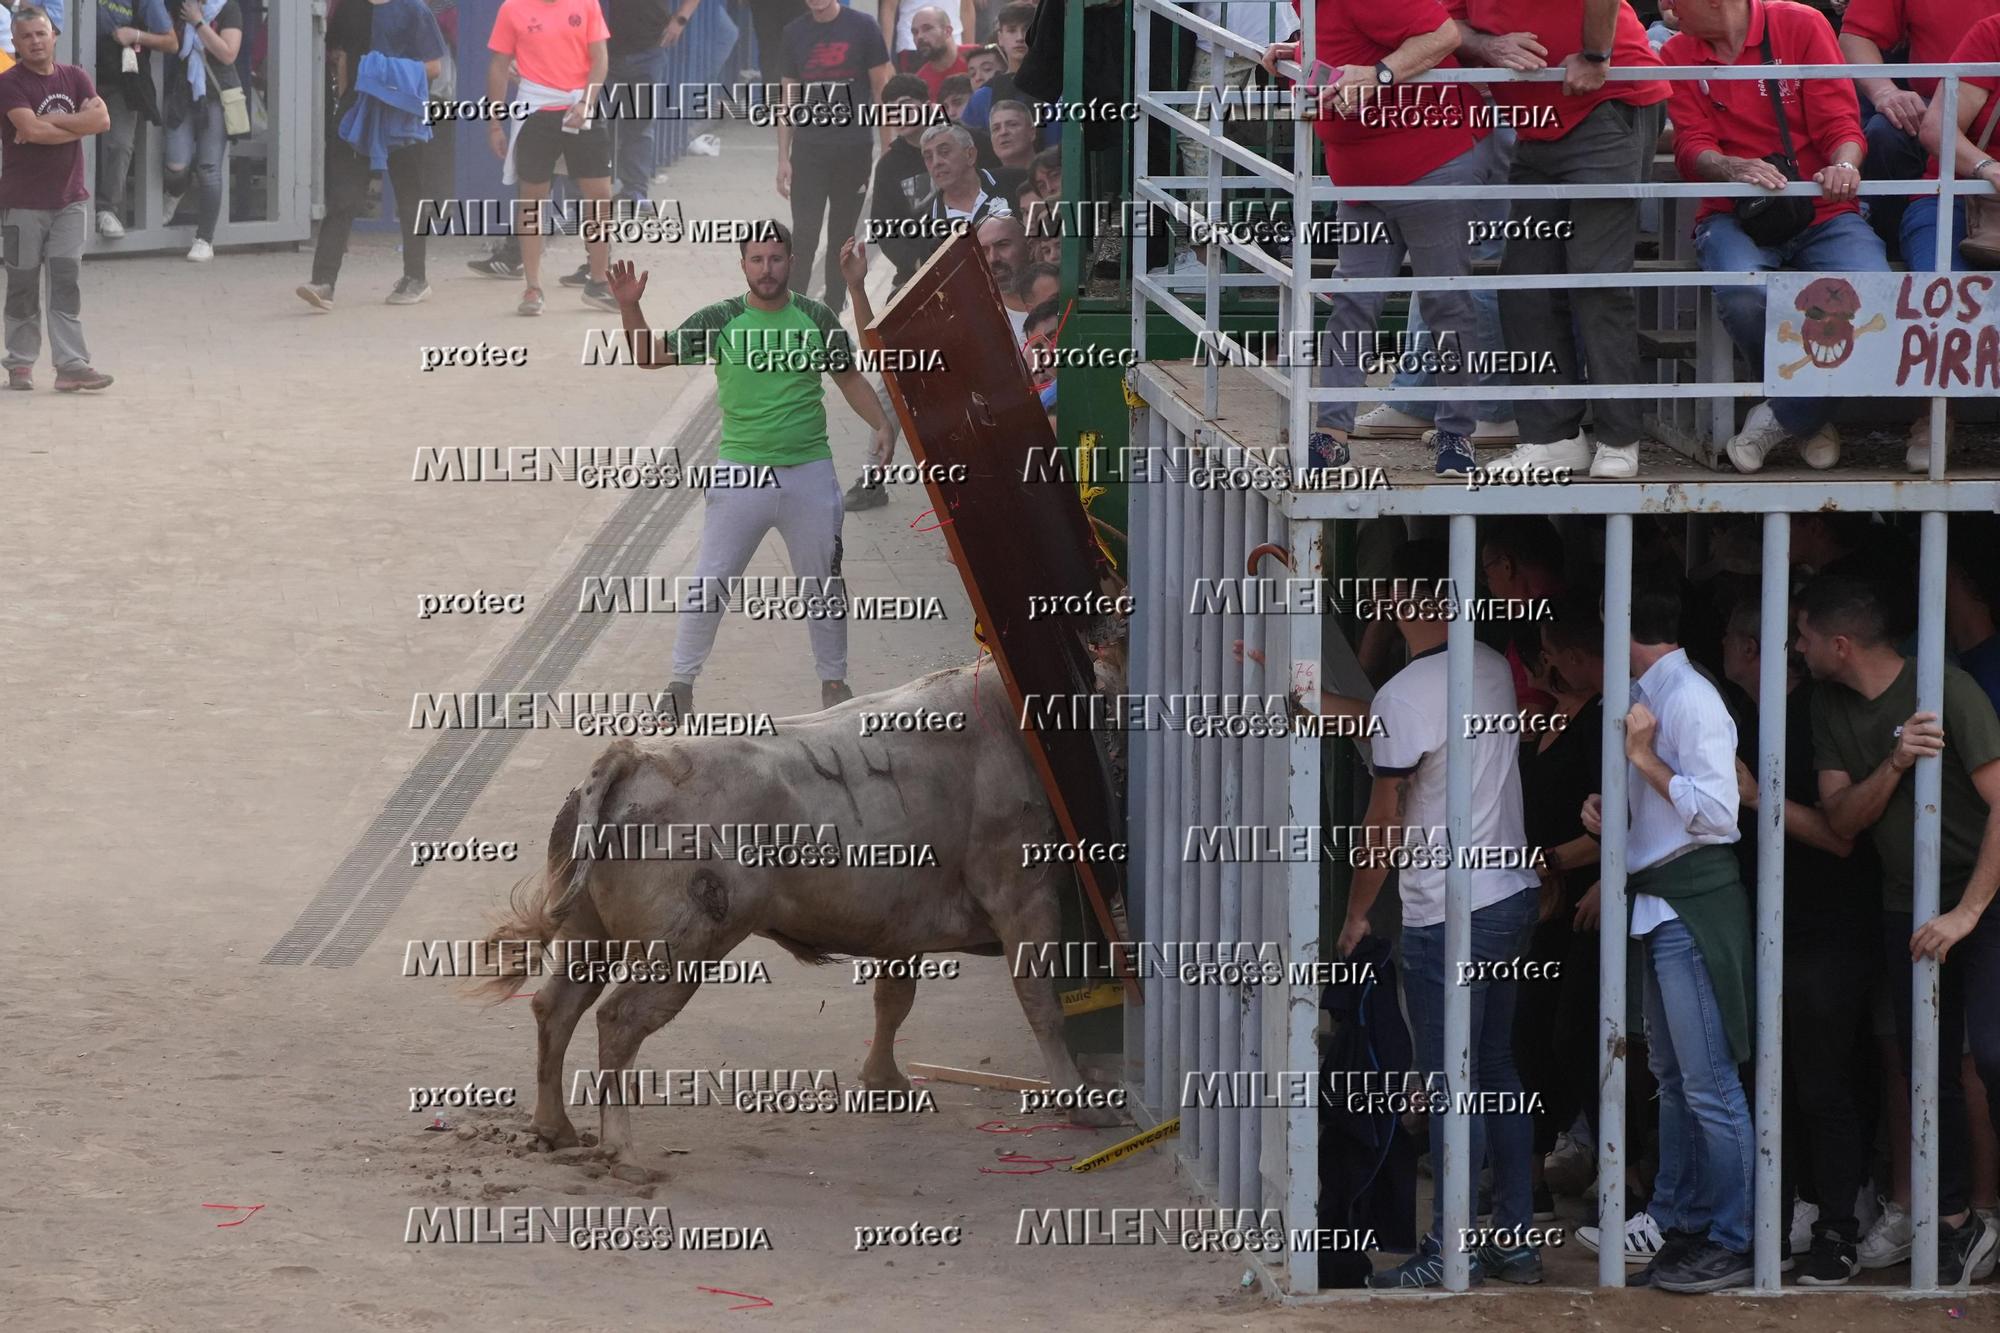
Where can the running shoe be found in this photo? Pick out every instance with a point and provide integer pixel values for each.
(1708, 1267)
(318, 295)
(81, 378)
(599, 294)
(1832, 1263)
(1520, 1265)
(1642, 1238)
(580, 278)
(108, 225)
(1574, 453)
(1803, 1216)
(1453, 454)
(832, 692)
(1888, 1241)
(21, 378)
(1963, 1249)
(408, 291)
(493, 266)
(1615, 462)
(1324, 452)
(861, 495)
(1386, 423)
(531, 302)
(1761, 433)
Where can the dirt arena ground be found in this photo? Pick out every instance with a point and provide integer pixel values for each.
(210, 643)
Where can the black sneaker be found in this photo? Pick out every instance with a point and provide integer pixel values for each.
(1832, 1262)
(1453, 454)
(862, 495)
(580, 278)
(1961, 1249)
(495, 266)
(598, 294)
(1324, 452)
(1707, 1268)
(1675, 1245)
(1520, 1265)
(833, 693)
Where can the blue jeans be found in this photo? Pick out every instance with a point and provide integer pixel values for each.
(1705, 1134)
(633, 155)
(1843, 243)
(195, 150)
(1893, 155)
(1919, 237)
(1500, 933)
(1486, 304)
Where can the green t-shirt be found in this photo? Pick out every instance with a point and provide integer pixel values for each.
(768, 365)
(1853, 735)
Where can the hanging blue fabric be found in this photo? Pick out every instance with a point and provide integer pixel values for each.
(192, 54)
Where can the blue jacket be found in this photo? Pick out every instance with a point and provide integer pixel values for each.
(389, 113)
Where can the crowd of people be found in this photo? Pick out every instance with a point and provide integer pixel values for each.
(1854, 733)
(1378, 130)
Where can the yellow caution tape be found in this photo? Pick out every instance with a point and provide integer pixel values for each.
(1166, 1129)
(1132, 398)
(1089, 999)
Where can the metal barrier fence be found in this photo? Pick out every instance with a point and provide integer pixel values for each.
(1266, 1156)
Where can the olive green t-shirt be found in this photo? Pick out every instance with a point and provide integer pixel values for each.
(768, 365)
(1853, 735)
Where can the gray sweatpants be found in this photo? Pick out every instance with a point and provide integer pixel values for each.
(805, 508)
(39, 240)
(1434, 234)
(1613, 146)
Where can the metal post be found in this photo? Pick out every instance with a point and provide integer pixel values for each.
(1946, 252)
(1223, 1004)
(1208, 783)
(1188, 925)
(1299, 326)
(1135, 236)
(1773, 639)
(1258, 796)
(1456, 1174)
(1140, 828)
(1160, 613)
(1300, 1010)
(1211, 383)
(1171, 678)
(1924, 1049)
(1611, 904)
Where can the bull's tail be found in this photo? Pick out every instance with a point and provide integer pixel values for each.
(541, 902)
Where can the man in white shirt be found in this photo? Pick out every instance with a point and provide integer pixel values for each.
(1689, 906)
(1406, 824)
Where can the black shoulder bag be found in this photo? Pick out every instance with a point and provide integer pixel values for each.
(1772, 219)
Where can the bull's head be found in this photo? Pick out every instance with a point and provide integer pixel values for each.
(1829, 306)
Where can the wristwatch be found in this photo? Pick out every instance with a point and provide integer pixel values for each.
(1384, 76)
(1596, 57)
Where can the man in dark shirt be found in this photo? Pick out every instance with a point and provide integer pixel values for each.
(48, 109)
(833, 62)
(641, 32)
(1867, 739)
(1832, 956)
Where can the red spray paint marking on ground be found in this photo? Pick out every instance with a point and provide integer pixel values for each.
(1001, 1127)
(929, 513)
(236, 1208)
(1040, 1164)
(763, 1302)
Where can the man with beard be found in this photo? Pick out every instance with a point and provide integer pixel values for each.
(936, 54)
(770, 346)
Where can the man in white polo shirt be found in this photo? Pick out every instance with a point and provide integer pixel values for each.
(1412, 726)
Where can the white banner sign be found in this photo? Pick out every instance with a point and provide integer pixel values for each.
(1854, 335)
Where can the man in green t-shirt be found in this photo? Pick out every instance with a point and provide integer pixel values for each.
(1867, 739)
(770, 346)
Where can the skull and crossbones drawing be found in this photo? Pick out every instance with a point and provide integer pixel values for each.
(1829, 332)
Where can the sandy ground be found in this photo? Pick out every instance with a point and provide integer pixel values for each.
(210, 641)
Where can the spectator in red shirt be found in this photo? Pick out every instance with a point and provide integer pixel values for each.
(1728, 131)
(1379, 130)
(935, 57)
(1892, 113)
(1585, 130)
(1978, 110)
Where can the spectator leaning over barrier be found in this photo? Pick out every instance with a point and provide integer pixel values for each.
(1585, 130)
(935, 53)
(1833, 912)
(48, 110)
(559, 48)
(1729, 131)
(1893, 114)
(139, 27)
(1689, 908)
(1977, 155)
(1867, 739)
(400, 34)
(1379, 131)
(201, 77)
(832, 57)
(1407, 808)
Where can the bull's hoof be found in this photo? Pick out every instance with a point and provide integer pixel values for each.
(890, 1079)
(556, 1137)
(1098, 1117)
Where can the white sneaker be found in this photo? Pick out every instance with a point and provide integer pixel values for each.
(1888, 1241)
(1386, 423)
(1642, 1239)
(1761, 434)
(1615, 462)
(200, 252)
(1983, 1268)
(1803, 1216)
(1574, 453)
(1492, 434)
(1867, 1206)
(1822, 451)
(108, 225)
(1917, 453)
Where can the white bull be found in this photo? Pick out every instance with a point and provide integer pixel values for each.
(971, 796)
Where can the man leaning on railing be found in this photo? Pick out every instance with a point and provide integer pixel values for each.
(1768, 133)
(1586, 130)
